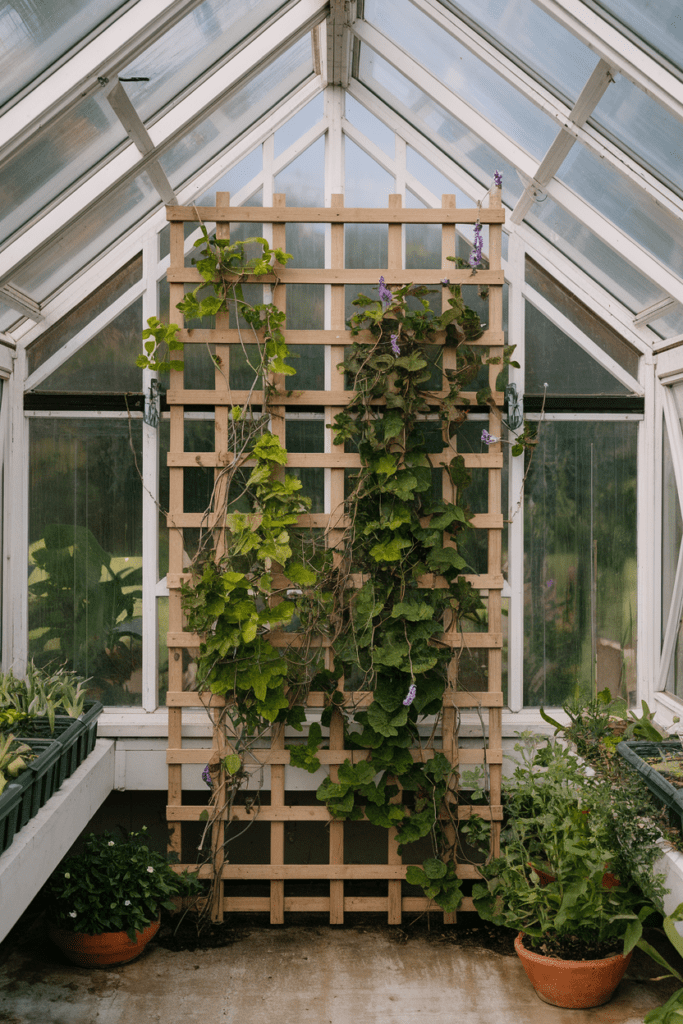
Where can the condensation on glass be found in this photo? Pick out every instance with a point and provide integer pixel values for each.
(85, 552)
(656, 22)
(580, 561)
(468, 77)
(585, 319)
(84, 313)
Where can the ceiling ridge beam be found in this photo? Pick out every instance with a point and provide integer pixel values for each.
(343, 14)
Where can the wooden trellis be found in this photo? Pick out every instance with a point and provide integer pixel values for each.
(278, 813)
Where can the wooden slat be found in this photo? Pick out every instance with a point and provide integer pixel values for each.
(200, 520)
(484, 582)
(295, 398)
(354, 698)
(203, 336)
(469, 641)
(334, 215)
(352, 904)
(336, 460)
(277, 756)
(314, 275)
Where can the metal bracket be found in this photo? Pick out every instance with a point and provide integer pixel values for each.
(515, 404)
(152, 411)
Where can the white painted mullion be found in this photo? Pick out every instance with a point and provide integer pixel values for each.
(553, 314)
(334, 185)
(368, 146)
(515, 574)
(648, 534)
(84, 336)
(15, 610)
(298, 147)
(150, 500)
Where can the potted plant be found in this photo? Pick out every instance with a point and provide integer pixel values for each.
(104, 903)
(575, 933)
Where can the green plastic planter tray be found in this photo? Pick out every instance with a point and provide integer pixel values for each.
(633, 751)
(41, 779)
(76, 735)
(10, 810)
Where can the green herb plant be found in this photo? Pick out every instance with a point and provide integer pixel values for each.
(14, 759)
(44, 693)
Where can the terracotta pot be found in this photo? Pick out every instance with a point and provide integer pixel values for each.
(573, 984)
(103, 950)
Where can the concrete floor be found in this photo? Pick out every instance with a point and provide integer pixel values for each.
(297, 975)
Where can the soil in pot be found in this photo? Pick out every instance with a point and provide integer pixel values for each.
(572, 983)
(105, 950)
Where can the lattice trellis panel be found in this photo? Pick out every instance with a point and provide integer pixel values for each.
(333, 399)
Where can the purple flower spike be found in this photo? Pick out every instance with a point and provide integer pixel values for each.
(489, 438)
(394, 345)
(206, 777)
(411, 695)
(445, 282)
(385, 295)
(497, 179)
(549, 583)
(474, 258)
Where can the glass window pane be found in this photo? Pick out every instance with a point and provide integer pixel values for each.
(299, 124)
(641, 124)
(194, 44)
(626, 205)
(8, 316)
(36, 35)
(366, 184)
(370, 125)
(212, 135)
(669, 326)
(588, 251)
(58, 335)
(56, 157)
(580, 561)
(657, 22)
(99, 227)
(235, 179)
(554, 359)
(435, 181)
(437, 124)
(463, 73)
(85, 552)
(106, 363)
(303, 181)
(672, 526)
(582, 317)
(544, 46)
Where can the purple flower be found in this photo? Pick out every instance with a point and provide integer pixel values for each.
(445, 282)
(394, 345)
(474, 258)
(411, 695)
(549, 583)
(206, 777)
(497, 179)
(385, 295)
(489, 438)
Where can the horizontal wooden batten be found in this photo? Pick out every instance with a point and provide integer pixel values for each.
(351, 904)
(315, 275)
(489, 641)
(260, 755)
(204, 336)
(318, 872)
(174, 580)
(212, 520)
(354, 698)
(331, 460)
(334, 215)
(296, 398)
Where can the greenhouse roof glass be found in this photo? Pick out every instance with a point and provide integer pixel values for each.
(111, 108)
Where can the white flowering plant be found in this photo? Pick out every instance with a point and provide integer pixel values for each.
(114, 884)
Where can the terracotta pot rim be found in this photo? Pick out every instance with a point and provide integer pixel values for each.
(559, 960)
(106, 931)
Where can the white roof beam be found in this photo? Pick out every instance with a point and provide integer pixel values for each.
(122, 106)
(339, 41)
(590, 95)
(22, 303)
(116, 46)
(654, 312)
(605, 40)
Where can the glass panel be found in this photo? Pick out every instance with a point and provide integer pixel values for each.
(83, 314)
(580, 561)
(102, 224)
(582, 317)
(8, 316)
(306, 312)
(366, 185)
(235, 179)
(305, 432)
(657, 22)
(553, 358)
(370, 125)
(34, 36)
(85, 552)
(436, 182)
(203, 38)
(645, 127)
(669, 326)
(55, 158)
(672, 526)
(106, 363)
(468, 77)
(626, 205)
(588, 251)
(439, 126)
(212, 135)
(303, 181)
(525, 32)
(306, 244)
(299, 124)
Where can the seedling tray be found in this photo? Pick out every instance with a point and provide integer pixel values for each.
(666, 792)
(10, 810)
(76, 735)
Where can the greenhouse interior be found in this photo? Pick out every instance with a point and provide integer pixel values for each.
(127, 126)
